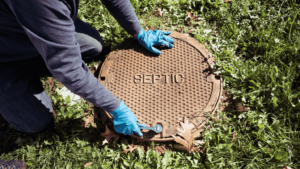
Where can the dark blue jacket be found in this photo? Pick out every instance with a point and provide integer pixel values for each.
(46, 27)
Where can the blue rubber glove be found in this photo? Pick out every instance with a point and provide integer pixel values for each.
(125, 122)
(154, 38)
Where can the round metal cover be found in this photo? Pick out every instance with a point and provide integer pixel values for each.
(166, 88)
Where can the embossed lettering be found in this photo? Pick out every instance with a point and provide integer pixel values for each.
(165, 78)
(156, 77)
(147, 78)
(172, 77)
(138, 78)
(179, 78)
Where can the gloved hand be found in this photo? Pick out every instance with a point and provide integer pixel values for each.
(125, 121)
(154, 38)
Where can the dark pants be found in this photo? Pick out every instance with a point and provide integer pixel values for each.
(23, 100)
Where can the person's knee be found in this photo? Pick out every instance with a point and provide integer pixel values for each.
(89, 46)
(34, 128)
(98, 47)
(88, 37)
(98, 44)
(43, 128)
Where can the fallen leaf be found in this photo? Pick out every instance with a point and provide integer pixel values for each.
(192, 16)
(88, 164)
(203, 149)
(179, 29)
(195, 148)
(186, 133)
(158, 13)
(88, 109)
(287, 167)
(51, 82)
(234, 137)
(160, 149)
(130, 149)
(108, 134)
(199, 142)
(241, 108)
(89, 119)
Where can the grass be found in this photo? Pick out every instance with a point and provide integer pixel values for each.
(255, 44)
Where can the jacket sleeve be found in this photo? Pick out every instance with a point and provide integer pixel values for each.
(123, 12)
(50, 29)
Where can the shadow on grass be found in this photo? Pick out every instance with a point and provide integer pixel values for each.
(68, 130)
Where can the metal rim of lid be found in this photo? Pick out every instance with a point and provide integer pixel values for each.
(215, 96)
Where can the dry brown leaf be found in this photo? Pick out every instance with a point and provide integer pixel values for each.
(179, 29)
(88, 164)
(158, 13)
(200, 129)
(51, 82)
(88, 109)
(192, 16)
(89, 119)
(130, 149)
(234, 137)
(133, 147)
(160, 149)
(199, 142)
(195, 148)
(186, 133)
(108, 134)
(287, 167)
(241, 108)
(203, 149)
